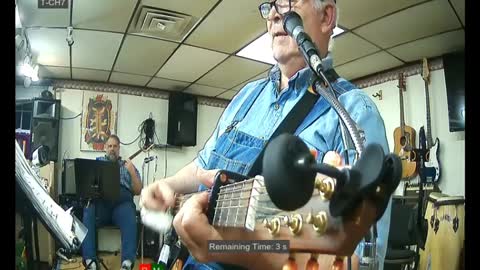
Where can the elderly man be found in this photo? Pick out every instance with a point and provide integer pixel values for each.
(248, 123)
(121, 212)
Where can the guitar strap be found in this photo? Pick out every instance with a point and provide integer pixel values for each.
(293, 120)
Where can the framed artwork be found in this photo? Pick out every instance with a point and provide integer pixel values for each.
(99, 119)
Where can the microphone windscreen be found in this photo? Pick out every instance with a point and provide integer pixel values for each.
(288, 186)
(290, 21)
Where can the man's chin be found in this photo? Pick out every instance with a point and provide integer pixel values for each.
(112, 158)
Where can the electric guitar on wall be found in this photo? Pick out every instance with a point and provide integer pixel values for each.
(432, 163)
(404, 139)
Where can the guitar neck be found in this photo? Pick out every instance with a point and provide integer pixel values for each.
(429, 129)
(238, 204)
(139, 151)
(402, 110)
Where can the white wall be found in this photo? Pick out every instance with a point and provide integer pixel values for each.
(132, 110)
(452, 144)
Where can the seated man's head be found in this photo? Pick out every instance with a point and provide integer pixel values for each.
(112, 148)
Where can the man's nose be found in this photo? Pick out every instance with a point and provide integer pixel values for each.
(273, 14)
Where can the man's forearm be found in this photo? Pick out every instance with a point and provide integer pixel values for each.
(136, 184)
(185, 180)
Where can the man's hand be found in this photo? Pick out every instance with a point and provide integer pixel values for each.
(157, 196)
(129, 166)
(191, 224)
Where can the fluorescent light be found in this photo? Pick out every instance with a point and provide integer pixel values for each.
(18, 23)
(337, 31)
(261, 48)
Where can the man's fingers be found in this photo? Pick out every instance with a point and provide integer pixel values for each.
(333, 158)
(157, 197)
(165, 194)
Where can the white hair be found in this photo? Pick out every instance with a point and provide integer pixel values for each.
(320, 4)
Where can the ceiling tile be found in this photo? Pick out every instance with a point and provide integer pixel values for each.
(260, 76)
(166, 84)
(53, 72)
(353, 13)
(232, 72)
(423, 20)
(90, 74)
(348, 47)
(141, 55)
(223, 30)
(95, 49)
(189, 63)
(204, 90)
(229, 94)
(130, 79)
(431, 46)
(459, 6)
(109, 15)
(194, 8)
(367, 65)
(49, 46)
(31, 15)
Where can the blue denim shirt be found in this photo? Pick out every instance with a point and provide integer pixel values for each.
(320, 131)
(125, 178)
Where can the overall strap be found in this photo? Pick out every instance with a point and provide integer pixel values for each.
(293, 119)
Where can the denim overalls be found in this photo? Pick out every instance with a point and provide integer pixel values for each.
(236, 151)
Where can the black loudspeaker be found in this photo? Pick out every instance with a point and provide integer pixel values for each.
(182, 119)
(45, 126)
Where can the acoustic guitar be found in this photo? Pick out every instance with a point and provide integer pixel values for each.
(432, 163)
(404, 139)
(144, 149)
(337, 213)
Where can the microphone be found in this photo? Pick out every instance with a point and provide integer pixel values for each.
(293, 25)
(289, 171)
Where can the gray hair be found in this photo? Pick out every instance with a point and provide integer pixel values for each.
(320, 4)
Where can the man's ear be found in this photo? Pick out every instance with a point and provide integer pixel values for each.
(329, 18)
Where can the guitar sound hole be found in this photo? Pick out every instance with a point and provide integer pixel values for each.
(403, 141)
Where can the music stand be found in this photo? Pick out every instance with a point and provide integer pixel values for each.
(96, 179)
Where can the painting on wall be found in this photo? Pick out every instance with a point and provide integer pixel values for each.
(99, 119)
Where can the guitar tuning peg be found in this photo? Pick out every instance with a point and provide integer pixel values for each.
(312, 263)
(291, 264)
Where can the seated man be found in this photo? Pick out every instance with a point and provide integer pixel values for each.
(120, 212)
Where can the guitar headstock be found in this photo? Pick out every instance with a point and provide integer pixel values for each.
(425, 70)
(147, 148)
(311, 229)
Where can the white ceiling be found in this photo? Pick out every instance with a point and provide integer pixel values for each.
(200, 57)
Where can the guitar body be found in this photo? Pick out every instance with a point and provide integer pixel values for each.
(432, 163)
(404, 139)
(403, 148)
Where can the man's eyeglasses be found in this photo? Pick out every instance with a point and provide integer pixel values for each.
(281, 6)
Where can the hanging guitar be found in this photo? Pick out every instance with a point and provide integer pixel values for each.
(328, 216)
(432, 163)
(404, 139)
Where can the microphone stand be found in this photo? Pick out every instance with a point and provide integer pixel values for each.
(293, 25)
(368, 260)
